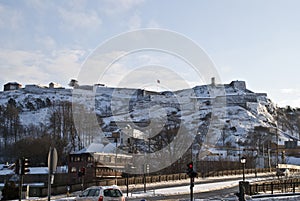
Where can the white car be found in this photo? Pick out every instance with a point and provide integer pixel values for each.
(101, 193)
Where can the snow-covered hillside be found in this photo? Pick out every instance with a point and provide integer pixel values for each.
(217, 115)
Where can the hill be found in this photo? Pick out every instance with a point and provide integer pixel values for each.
(208, 118)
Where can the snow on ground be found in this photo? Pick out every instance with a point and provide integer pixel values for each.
(34, 117)
(33, 170)
(282, 198)
(206, 187)
(185, 189)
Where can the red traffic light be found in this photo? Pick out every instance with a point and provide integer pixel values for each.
(82, 171)
(190, 170)
(190, 166)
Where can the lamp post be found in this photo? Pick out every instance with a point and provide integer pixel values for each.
(116, 136)
(242, 183)
(243, 161)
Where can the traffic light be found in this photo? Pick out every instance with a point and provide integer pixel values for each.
(190, 167)
(190, 170)
(82, 171)
(24, 166)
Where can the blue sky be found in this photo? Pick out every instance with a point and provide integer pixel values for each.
(253, 40)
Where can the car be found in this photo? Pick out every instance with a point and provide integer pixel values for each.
(283, 172)
(101, 193)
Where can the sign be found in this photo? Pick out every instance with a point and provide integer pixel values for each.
(52, 160)
(52, 164)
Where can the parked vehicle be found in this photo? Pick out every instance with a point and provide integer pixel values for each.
(101, 193)
(283, 172)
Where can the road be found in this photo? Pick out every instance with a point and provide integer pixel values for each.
(218, 189)
(221, 188)
(223, 194)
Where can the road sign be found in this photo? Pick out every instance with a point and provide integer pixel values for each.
(52, 163)
(52, 160)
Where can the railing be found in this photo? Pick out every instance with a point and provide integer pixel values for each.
(272, 187)
(179, 176)
(61, 189)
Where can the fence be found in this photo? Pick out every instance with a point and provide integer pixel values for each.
(272, 187)
(59, 189)
(179, 176)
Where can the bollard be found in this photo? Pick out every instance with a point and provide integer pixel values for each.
(244, 188)
(242, 191)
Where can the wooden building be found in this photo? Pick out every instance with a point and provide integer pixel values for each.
(96, 163)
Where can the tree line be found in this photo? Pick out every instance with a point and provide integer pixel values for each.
(33, 140)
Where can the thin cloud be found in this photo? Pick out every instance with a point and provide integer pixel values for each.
(121, 6)
(34, 67)
(290, 91)
(293, 102)
(47, 42)
(135, 22)
(10, 19)
(153, 24)
(79, 20)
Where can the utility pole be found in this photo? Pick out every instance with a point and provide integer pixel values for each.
(116, 136)
(20, 179)
(277, 138)
(22, 168)
(191, 188)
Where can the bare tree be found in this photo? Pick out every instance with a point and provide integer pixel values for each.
(12, 121)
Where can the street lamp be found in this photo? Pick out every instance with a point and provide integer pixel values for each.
(116, 136)
(243, 161)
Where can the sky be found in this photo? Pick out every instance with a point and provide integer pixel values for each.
(43, 41)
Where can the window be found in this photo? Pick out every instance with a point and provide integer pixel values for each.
(107, 159)
(85, 193)
(119, 160)
(77, 159)
(112, 193)
(73, 169)
(94, 192)
(90, 159)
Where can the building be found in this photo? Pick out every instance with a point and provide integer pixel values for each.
(12, 86)
(97, 162)
(53, 85)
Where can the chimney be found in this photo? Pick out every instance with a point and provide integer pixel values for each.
(213, 81)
